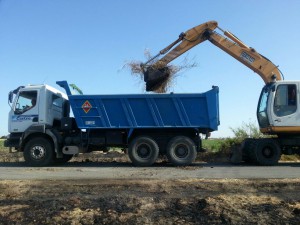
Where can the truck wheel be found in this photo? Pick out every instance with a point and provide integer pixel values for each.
(143, 151)
(267, 152)
(181, 151)
(38, 152)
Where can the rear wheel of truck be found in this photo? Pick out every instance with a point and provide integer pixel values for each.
(267, 152)
(181, 151)
(38, 152)
(143, 151)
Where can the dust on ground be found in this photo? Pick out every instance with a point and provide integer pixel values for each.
(190, 201)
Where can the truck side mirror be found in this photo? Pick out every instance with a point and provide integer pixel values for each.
(10, 97)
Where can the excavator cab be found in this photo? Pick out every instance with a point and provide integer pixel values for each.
(278, 108)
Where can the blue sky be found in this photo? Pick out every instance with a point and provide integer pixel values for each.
(87, 42)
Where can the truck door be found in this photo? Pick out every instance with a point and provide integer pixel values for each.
(286, 110)
(25, 111)
(55, 109)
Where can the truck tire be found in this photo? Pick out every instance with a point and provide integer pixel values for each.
(38, 151)
(181, 151)
(143, 151)
(267, 152)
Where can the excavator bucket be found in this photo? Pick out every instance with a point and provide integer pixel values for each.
(154, 78)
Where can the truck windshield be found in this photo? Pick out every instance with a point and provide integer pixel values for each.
(26, 101)
(262, 113)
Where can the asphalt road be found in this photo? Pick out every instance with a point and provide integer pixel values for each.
(80, 171)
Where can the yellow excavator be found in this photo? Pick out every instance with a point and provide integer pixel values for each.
(278, 110)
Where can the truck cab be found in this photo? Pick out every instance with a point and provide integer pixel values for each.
(34, 107)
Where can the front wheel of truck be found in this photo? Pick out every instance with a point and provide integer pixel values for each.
(38, 151)
(143, 151)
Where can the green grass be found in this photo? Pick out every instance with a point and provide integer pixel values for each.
(212, 145)
(1, 143)
(2, 148)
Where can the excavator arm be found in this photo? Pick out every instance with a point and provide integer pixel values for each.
(157, 72)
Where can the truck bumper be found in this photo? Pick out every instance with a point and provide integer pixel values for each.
(13, 140)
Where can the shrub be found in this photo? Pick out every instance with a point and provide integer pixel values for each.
(247, 130)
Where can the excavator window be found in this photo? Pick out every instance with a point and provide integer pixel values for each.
(262, 110)
(285, 102)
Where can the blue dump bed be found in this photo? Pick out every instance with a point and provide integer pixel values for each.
(200, 111)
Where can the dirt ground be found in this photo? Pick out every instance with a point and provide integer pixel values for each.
(132, 201)
(188, 201)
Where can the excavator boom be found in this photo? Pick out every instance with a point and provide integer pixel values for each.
(246, 55)
(157, 72)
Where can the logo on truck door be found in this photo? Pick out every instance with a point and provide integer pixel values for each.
(21, 118)
(86, 106)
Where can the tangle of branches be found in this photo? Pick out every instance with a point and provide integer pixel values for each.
(174, 70)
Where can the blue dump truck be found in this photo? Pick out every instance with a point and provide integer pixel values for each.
(143, 125)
